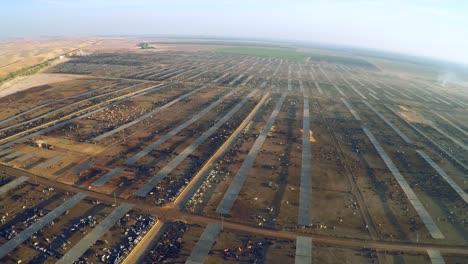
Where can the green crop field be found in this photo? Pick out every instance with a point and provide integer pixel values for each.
(277, 53)
(222, 43)
(295, 55)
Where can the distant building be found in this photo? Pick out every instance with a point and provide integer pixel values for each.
(42, 144)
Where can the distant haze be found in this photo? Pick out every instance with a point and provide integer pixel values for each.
(430, 28)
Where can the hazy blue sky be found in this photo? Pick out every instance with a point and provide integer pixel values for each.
(434, 28)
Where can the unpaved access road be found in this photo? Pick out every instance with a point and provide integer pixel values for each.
(173, 214)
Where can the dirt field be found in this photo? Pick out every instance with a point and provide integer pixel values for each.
(35, 51)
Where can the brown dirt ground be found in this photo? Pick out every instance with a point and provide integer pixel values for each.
(19, 53)
(24, 83)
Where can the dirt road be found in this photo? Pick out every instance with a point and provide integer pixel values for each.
(173, 214)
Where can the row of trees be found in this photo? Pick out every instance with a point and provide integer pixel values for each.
(26, 71)
(145, 45)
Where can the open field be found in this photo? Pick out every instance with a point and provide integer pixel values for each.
(219, 43)
(35, 51)
(294, 55)
(243, 155)
(39, 79)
